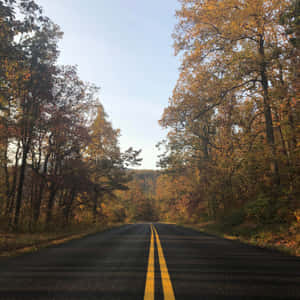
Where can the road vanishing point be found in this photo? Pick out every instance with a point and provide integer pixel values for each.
(151, 262)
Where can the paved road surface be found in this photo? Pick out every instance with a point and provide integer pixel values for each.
(180, 264)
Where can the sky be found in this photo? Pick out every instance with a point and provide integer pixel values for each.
(125, 48)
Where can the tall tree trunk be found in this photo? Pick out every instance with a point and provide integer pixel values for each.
(68, 206)
(95, 204)
(53, 190)
(20, 185)
(293, 139)
(38, 201)
(12, 192)
(6, 172)
(282, 139)
(268, 115)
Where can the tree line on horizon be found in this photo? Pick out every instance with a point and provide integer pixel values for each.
(59, 154)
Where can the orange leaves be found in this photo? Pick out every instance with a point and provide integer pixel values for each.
(27, 76)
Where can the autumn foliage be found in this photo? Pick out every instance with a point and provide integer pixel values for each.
(233, 144)
(59, 154)
(232, 151)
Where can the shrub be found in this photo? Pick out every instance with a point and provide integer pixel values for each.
(258, 210)
(237, 217)
(265, 211)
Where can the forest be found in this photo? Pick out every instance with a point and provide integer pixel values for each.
(232, 152)
(59, 154)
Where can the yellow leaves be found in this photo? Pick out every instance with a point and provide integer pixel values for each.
(297, 215)
(104, 139)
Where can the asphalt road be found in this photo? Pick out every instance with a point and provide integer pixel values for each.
(114, 264)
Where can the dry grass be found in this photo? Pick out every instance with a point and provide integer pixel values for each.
(285, 238)
(12, 244)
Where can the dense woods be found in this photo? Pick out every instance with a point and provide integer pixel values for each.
(233, 147)
(59, 154)
(139, 202)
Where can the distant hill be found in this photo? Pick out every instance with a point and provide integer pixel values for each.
(148, 179)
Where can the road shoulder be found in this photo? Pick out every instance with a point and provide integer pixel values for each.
(270, 240)
(15, 244)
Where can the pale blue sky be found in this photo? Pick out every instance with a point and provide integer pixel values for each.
(125, 47)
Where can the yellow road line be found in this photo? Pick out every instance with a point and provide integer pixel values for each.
(165, 277)
(149, 288)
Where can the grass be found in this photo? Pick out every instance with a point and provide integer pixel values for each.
(282, 237)
(13, 244)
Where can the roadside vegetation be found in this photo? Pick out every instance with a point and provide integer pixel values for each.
(16, 243)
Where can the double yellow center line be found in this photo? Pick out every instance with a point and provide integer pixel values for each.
(165, 277)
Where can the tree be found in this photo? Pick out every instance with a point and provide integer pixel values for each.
(106, 162)
(233, 96)
(40, 49)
